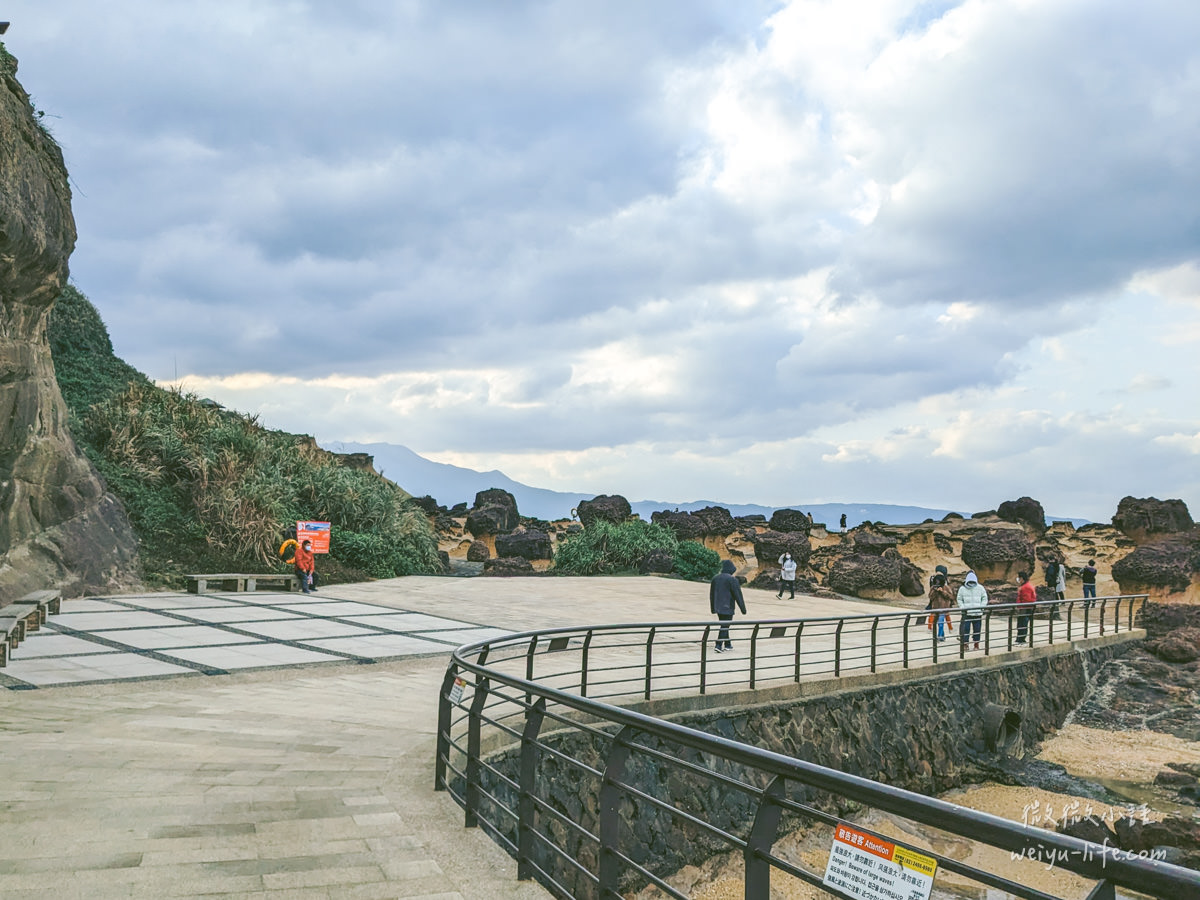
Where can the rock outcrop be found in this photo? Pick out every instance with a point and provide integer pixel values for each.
(790, 520)
(494, 512)
(1168, 568)
(528, 544)
(59, 527)
(685, 526)
(1145, 519)
(605, 508)
(1025, 511)
(997, 555)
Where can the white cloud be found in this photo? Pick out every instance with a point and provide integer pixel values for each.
(877, 248)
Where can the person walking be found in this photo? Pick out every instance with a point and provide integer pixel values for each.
(723, 591)
(305, 566)
(1026, 593)
(941, 597)
(1088, 573)
(972, 598)
(787, 576)
(1060, 581)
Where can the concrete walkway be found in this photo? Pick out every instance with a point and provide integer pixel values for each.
(298, 782)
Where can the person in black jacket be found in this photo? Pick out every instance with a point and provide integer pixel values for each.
(722, 592)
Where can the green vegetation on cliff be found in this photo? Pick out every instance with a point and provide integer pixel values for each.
(209, 490)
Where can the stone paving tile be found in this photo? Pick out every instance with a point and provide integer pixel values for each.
(303, 629)
(251, 656)
(236, 612)
(122, 618)
(379, 646)
(51, 644)
(177, 636)
(94, 667)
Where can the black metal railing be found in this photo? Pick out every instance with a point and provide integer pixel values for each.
(595, 800)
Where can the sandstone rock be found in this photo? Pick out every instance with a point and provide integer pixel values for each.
(505, 566)
(1026, 512)
(1180, 646)
(1168, 563)
(459, 509)
(786, 520)
(868, 542)
(1146, 518)
(427, 505)
(59, 527)
(998, 554)
(525, 544)
(684, 525)
(604, 508)
(770, 545)
(912, 579)
(658, 561)
(1174, 779)
(478, 552)
(444, 557)
(863, 575)
(754, 521)
(717, 521)
(495, 512)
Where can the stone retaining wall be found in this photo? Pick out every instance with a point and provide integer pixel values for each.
(923, 733)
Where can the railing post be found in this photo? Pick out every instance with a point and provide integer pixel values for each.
(799, 632)
(753, 652)
(529, 666)
(704, 658)
(649, 660)
(526, 808)
(610, 812)
(905, 639)
(874, 642)
(1101, 615)
(934, 637)
(1104, 890)
(987, 632)
(1010, 629)
(1054, 607)
(761, 839)
(474, 720)
(1070, 617)
(583, 664)
(837, 649)
(445, 710)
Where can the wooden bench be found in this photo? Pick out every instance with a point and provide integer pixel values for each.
(236, 583)
(25, 615)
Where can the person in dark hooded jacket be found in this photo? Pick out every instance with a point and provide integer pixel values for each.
(723, 591)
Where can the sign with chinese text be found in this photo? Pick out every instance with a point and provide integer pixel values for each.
(867, 866)
(317, 532)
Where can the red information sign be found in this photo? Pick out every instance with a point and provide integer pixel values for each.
(317, 532)
(870, 867)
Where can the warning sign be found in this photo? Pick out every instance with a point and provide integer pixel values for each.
(317, 532)
(867, 866)
(456, 692)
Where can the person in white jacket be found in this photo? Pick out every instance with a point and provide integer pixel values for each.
(787, 576)
(972, 599)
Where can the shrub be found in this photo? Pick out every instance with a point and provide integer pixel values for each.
(605, 548)
(209, 489)
(695, 562)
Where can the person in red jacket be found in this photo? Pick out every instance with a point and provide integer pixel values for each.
(1026, 593)
(304, 566)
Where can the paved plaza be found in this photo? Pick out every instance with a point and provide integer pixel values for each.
(269, 744)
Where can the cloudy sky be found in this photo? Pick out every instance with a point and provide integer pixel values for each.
(779, 252)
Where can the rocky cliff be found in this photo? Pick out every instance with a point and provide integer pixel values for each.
(58, 525)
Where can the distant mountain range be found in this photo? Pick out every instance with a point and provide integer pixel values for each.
(450, 485)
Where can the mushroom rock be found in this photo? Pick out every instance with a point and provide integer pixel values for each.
(1144, 519)
(59, 527)
(717, 521)
(869, 543)
(478, 552)
(1167, 569)
(865, 575)
(770, 545)
(685, 526)
(998, 554)
(494, 512)
(790, 520)
(604, 508)
(527, 544)
(1026, 512)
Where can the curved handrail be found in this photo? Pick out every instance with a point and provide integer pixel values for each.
(491, 684)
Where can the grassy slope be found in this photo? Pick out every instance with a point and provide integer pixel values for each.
(209, 490)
